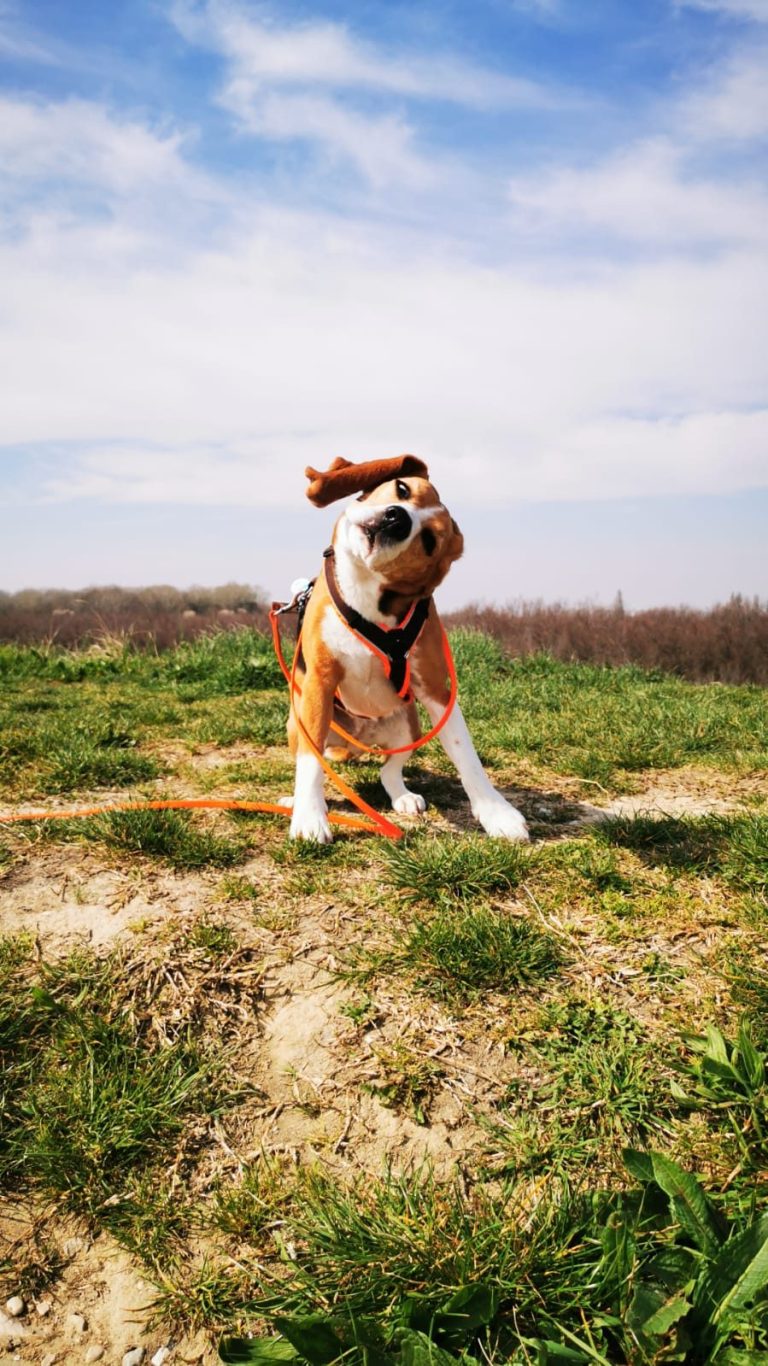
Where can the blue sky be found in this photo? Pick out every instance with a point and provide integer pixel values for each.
(525, 239)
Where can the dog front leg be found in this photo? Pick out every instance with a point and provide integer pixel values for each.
(402, 727)
(496, 815)
(314, 710)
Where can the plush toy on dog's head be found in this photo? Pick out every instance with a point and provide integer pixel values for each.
(343, 478)
(397, 528)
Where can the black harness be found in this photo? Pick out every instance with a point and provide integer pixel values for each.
(392, 644)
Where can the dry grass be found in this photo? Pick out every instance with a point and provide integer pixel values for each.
(726, 644)
(159, 616)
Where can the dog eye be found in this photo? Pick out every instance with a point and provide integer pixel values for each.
(402, 489)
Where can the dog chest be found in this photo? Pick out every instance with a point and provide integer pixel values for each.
(364, 688)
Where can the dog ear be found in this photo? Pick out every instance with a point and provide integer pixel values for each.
(453, 550)
(343, 478)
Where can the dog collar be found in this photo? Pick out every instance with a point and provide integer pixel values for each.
(393, 644)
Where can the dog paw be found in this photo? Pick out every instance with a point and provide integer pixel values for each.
(315, 827)
(287, 802)
(409, 804)
(502, 820)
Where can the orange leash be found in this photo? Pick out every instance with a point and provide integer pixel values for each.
(290, 679)
(377, 824)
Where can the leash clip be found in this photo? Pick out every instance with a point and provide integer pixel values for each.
(300, 594)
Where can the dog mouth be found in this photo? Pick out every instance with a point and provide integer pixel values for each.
(390, 527)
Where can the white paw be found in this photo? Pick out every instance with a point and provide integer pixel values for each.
(314, 826)
(285, 801)
(500, 819)
(409, 804)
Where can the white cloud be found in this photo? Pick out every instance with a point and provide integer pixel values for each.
(153, 365)
(729, 104)
(81, 141)
(642, 194)
(741, 9)
(299, 81)
(380, 148)
(218, 374)
(613, 457)
(265, 53)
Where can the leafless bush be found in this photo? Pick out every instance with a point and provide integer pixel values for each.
(727, 643)
(159, 616)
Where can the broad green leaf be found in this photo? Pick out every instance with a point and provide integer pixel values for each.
(472, 1307)
(716, 1045)
(553, 1353)
(416, 1349)
(754, 1063)
(645, 1302)
(666, 1315)
(239, 1351)
(722, 1071)
(313, 1337)
(673, 1267)
(638, 1164)
(679, 1094)
(740, 1271)
(689, 1203)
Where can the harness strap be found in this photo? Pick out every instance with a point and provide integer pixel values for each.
(393, 644)
(290, 677)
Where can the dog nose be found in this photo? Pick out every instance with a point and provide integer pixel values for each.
(395, 522)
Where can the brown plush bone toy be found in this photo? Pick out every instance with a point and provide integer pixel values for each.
(343, 478)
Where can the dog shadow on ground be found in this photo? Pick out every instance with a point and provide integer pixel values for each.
(550, 815)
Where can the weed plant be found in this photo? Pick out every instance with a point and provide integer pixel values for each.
(729, 1080)
(405, 1270)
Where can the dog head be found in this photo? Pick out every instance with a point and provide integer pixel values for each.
(397, 527)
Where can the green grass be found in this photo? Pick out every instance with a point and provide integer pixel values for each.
(89, 1096)
(735, 847)
(457, 956)
(414, 1270)
(747, 974)
(591, 1082)
(524, 1014)
(68, 753)
(602, 723)
(171, 836)
(728, 1078)
(222, 663)
(453, 872)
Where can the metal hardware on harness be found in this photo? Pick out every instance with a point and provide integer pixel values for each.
(301, 593)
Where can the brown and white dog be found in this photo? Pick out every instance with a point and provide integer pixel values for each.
(392, 546)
